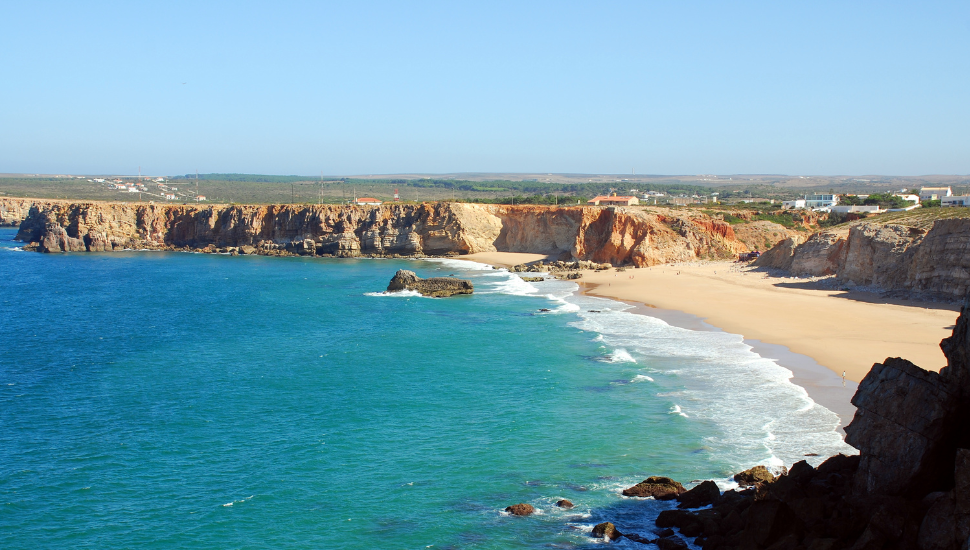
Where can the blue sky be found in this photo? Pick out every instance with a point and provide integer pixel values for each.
(374, 87)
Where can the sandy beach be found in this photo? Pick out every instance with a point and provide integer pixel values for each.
(840, 330)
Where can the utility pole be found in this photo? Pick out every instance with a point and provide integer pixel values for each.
(291, 194)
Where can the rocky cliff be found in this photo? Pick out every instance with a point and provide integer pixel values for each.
(933, 263)
(14, 211)
(619, 236)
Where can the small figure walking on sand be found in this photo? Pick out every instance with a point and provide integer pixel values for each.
(843, 379)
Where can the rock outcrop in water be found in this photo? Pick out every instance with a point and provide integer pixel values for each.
(909, 487)
(438, 287)
(613, 235)
(895, 258)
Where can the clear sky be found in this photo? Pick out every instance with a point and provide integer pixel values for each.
(388, 87)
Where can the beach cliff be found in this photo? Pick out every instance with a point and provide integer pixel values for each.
(615, 235)
(912, 261)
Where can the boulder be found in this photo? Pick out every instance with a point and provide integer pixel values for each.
(521, 509)
(672, 542)
(564, 504)
(752, 476)
(606, 530)
(902, 425)
(660, 488)
(702, 495)
(438, 287)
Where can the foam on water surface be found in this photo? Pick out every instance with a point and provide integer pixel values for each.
(724, 382)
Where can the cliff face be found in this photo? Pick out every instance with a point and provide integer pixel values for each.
(607, 235)
(14, 211)
(934, 263)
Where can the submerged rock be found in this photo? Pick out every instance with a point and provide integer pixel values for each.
(438, 287)
(660, 488)
(564, 504)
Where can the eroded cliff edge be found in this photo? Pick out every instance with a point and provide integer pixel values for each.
(616, 235)
(912, 261)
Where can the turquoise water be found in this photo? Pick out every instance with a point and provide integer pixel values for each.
(159, 400)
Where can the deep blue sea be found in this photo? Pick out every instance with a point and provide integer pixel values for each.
(163, 400)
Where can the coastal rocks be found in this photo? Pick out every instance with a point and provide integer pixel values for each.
(565, 504)
(558, 266)
(781, 255)
(660, 488)
(606, 530)
(822, 254)
(703, 494)
(753, 476)
(902, 428)
(614, 236)
(933, 264)
(13, 211)
(438, 287)
(533, 279)
(521, 509)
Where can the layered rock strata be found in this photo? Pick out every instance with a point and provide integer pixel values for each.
(933, 264)
(614, 235)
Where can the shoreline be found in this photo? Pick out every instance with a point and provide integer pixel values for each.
(779, 317)
(824, 386)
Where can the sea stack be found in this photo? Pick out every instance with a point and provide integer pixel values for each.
(438, 287)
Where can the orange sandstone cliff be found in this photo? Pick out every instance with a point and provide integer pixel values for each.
(616, 235)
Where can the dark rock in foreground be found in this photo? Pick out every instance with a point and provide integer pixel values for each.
(702, 495)
(660, 488)
(753, 476)
(438, 287)
(521, 509)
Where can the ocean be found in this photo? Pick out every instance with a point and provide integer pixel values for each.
(160, 400)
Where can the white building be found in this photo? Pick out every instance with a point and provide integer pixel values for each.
(907, 197)
(821, 201)
(170, 196)
(934, 193)
(797, 203)
(951, 200)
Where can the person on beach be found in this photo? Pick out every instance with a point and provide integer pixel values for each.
(843, 379)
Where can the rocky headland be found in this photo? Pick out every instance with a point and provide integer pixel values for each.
(611, 235)
(909, 487)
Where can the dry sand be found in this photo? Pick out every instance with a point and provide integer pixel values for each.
(840, 330)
